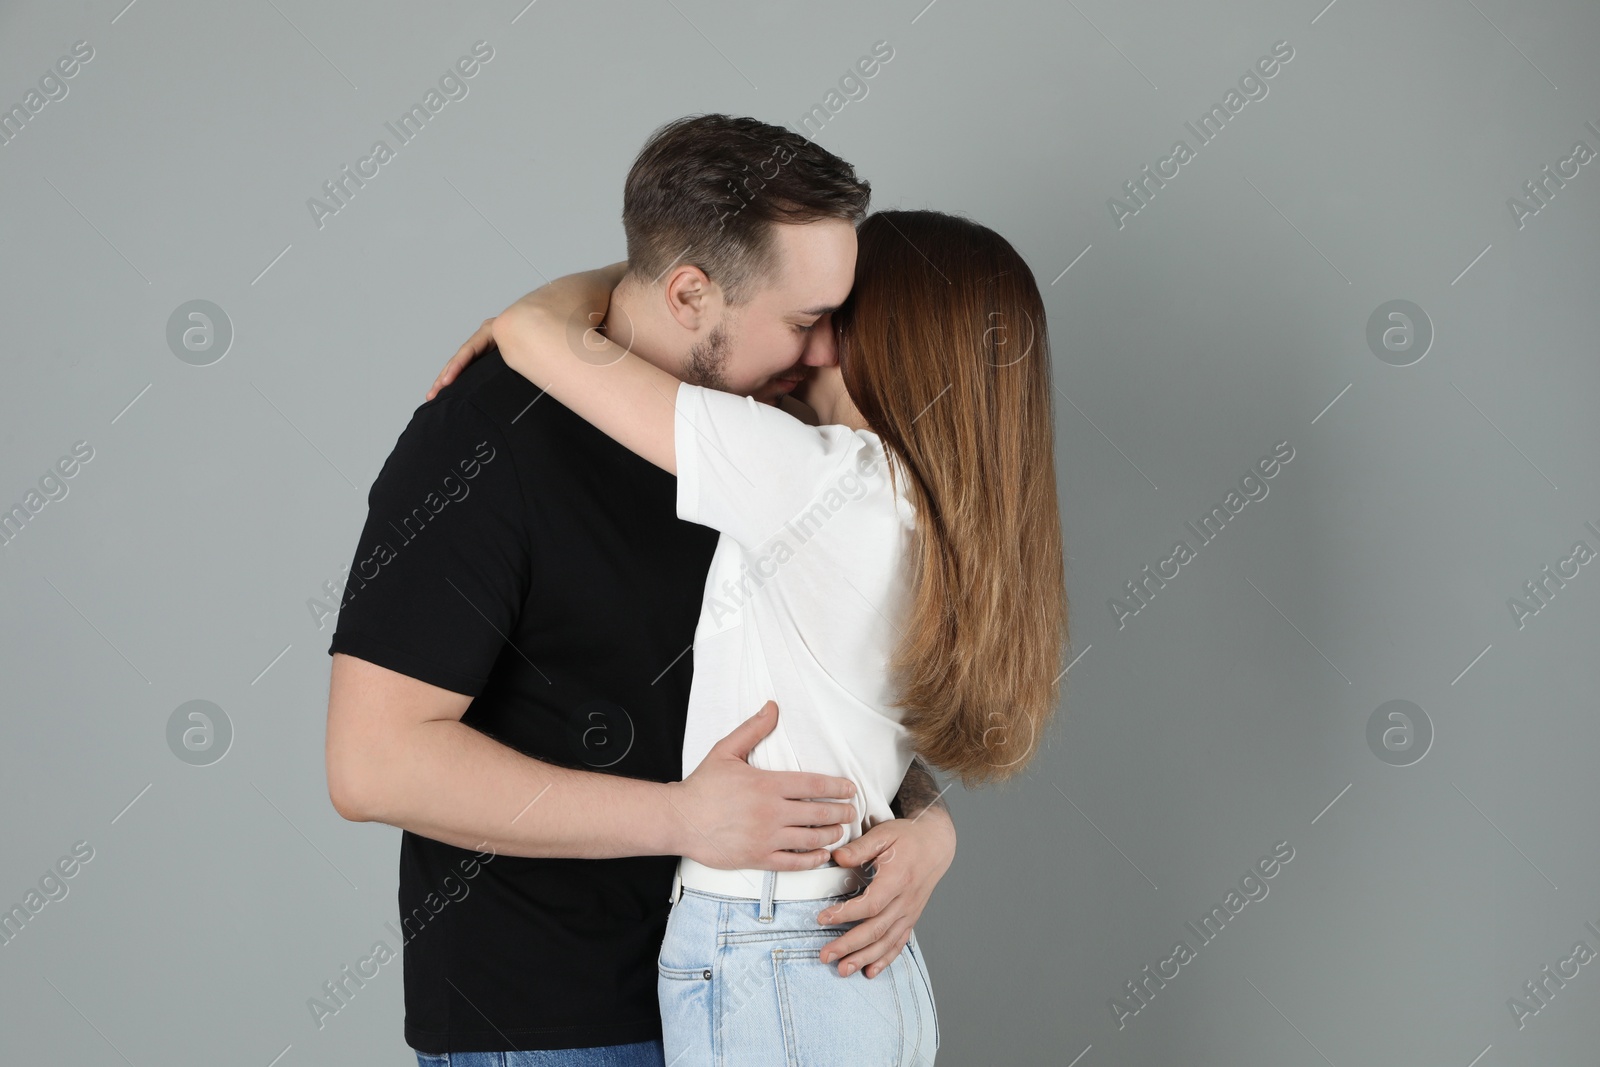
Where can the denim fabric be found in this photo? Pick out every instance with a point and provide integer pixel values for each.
(740, 991)
(642, 1054)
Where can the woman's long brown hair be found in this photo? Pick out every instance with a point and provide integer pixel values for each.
(943, 349)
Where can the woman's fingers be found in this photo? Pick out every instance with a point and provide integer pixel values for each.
(474, 347)
(877, 913)
(870, 946)
(876, 958)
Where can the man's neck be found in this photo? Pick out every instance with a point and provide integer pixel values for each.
(636, 321)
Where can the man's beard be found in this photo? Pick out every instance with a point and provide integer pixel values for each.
(708, 360)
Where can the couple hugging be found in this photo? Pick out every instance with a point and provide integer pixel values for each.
(763, 527)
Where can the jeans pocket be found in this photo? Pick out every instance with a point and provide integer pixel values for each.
(826, 1019)
(684, 998)
(432, 1059)
(684, 974)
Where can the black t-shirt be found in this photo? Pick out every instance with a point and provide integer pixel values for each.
(514, 553)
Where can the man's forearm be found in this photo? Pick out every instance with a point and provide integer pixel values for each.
(918, 792)
(452, 783)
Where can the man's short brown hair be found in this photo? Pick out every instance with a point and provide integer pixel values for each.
(705, 189)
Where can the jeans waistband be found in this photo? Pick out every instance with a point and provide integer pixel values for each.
(829, 880)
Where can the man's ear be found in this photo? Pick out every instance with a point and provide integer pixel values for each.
(692, 298)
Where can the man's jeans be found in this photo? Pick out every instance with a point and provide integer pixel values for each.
(741, 985)
(643, 1054)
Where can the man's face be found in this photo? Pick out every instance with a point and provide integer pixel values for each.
(766, 346)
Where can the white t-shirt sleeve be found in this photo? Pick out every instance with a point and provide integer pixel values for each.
(747, 468)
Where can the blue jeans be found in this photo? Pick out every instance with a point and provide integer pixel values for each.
(741, 983)
(643, 1054)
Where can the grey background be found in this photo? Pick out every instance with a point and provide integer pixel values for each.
(1228, 315)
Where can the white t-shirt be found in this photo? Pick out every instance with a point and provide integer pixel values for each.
(807, 593)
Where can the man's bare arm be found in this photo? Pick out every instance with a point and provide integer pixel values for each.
(398, 753)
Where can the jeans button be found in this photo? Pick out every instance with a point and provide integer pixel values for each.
(706, 974)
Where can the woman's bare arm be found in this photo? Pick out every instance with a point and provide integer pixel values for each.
(549, 337)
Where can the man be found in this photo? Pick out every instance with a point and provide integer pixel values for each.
(512, 661)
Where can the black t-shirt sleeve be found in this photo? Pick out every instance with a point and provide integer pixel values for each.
(441, 572)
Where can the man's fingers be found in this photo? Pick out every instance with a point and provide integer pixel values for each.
(796, 861)
(804, 785)
(819, 813)
(794, 785)
(744, 737)
(810, 838)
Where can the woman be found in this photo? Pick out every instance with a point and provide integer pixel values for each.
(890, 571)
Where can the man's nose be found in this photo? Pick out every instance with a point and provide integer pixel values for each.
(822, 348)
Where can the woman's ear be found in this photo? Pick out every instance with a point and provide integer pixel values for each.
(692, 298)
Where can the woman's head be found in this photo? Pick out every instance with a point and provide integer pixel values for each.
(943, 350)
